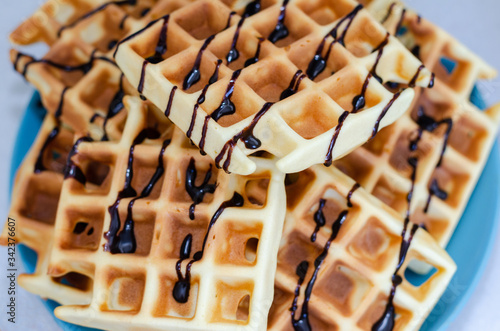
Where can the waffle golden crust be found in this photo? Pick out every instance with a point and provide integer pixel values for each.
(342, 260)
(294, 78)
(186, 246)
(35, 199)
(448, 137)
(82, 36)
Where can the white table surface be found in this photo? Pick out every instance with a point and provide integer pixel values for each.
(475, 23)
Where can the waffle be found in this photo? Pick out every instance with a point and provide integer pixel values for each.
(35, 199)
(449, 136)
(229, 282)
(81, 35)
(307, 98)
(337, 263)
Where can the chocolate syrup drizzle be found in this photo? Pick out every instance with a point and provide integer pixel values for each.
(302, 323)
(194, 75)
(114, 108)
(245, 135)
(126, 238)
(252, 8)
(425, 123)
(161, 46)
(139, 32)
(318, 62)
(294, 85)
(255, 58)
(400, 23)
(72, 170)
(197, 193)
(183, 285)
(84, 67)
(201, 99)
(380, 50)
(319, 219)
(118, 243)
(280, 30)
(227, 107)
(351, 192)
(39, 166)
(95, 11)
(170, 101)
(233, 53)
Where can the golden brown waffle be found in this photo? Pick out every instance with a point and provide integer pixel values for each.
(34, 204)
(220, 78)
(339, 252)
(230, 275)
(449, 136)
(82, 35)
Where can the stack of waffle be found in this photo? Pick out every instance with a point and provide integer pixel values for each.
(243, 165)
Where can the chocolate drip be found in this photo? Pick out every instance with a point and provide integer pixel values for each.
(194, 75)
(204, 135)
(359, 101)
(94, 117)
(71, 170)
(427, 123)
(318, 62)
(60, 107)
(386, 321)
(302, 323)
(227, 106)
(389, 13)
(95, 11)
(340, 124)
(170, 101)
(415, 77)
(228, 24)
(416, 51)
(145, 11)
(80, 227)
(161, 46)
(431, 82)
(383, 113)
(39, 166)
(233, 53)
(140, 87)
(397, 32)
(380, 50)
(125, 241)
(201, 99)
(280, 30)
(252, 8)
(135, 34)
(84, 67)
(351, 192)
(197, 193)
(112, 44)
(294, 85)
(246, 135)
(183, 285)
(319, 219)
(255, 58)
(122, 22)
(215, 76)
(114, 108)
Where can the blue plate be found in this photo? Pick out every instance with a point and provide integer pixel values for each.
(470, 245)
